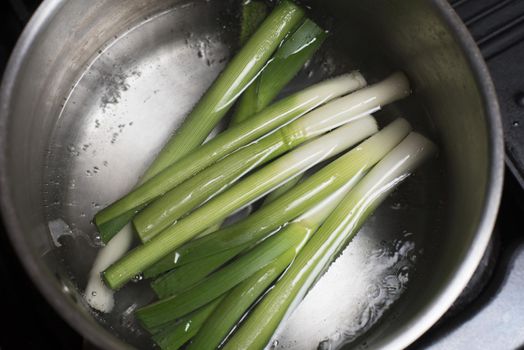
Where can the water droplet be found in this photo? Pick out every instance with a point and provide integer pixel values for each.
(138, 278)
(93, 293)
(396, 206)
(105, 163)
(516, 123)
(89, 173)
(82, 214)
(97, 240)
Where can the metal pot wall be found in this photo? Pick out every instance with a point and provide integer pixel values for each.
(74, 111)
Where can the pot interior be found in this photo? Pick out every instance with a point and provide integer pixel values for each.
(103, 86)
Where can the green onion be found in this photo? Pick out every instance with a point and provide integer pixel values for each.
(166, 210)
(241, 194)
(169, 262)
(221, 281)
(184, 277)
(111, 219)
(283, 66)
(218, 324)
(235, 78)
(337, 230)
(163, 212)
(253, 13)
(97, 294)
(299, 199)
(280, 191)
(235, 304)
(172, 337)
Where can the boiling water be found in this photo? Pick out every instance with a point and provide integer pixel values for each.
(126, 103)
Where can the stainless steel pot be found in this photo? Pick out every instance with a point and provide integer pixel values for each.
(94, 87)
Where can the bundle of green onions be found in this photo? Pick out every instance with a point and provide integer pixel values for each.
(212, 281)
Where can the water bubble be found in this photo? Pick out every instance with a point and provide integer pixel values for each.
(403, 274)
(406, 233)
(324, 345)
(374, 291)
(97, 240)
(114, 137)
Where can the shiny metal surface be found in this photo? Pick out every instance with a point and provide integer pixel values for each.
(93, 89)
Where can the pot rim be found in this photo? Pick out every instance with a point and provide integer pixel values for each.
(431, 313)
(102, 338)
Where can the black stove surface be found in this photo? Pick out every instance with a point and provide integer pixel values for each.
(488, 315)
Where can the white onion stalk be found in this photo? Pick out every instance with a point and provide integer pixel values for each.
(97, 294)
